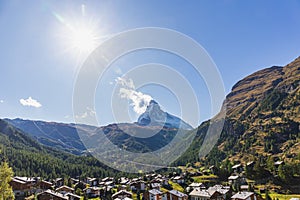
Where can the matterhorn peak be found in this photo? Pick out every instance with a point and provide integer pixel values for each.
(154, 116)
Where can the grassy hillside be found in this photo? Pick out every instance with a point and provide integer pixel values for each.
(262, 125)
(28, 158)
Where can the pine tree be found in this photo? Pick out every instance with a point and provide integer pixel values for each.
(281, 173)
(6, 173)
(268, 196)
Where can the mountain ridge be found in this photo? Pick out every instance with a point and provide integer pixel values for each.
(29, 158)
(262, 119)
(136, 137)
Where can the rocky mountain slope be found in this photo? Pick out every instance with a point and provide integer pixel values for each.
(262, 121)
(267, 104)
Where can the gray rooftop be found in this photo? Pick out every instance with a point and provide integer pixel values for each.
(242, 195)
(177, 193)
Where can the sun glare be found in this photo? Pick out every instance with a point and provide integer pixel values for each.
(83, 39)
(80, 34)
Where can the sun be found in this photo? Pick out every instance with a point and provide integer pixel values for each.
(83, 39)
(79, 34)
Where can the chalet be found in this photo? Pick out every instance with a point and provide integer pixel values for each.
(92, 181)
(72, 196)
(138, 185)
(29, 180)
(59, 182)
(197, 185)
(48, 194)
(164, 181)
(155, 194)
(123, 194)
(22, 186)
(135, 180)
(250, 164)
(108, 188)
(101, 184)
(126, 198)
(158, 176)
(80, 184)
(244, 196)
(109, 183)
(161, 180)
(147, 177)
(178, 179)
(92, 192)
(155, 186)
(107, 179)
(234, 179)
(238, 168)
(277, 164)
(153, 175)
(123, 180)
(122, 187)
(176, 195)
(210, 194)
(244, 187)
(223, 190)
(44, 185)
(74, 181)
(65, 189)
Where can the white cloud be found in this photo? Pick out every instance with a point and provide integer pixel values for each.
(88, 113)
(1, 101)
(82, 116)
(127, 83)
(139, 100)
(30, 102)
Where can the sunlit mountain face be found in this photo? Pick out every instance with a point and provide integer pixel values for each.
(154, 116)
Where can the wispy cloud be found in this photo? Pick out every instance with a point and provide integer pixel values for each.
(88, 113)
(118, 71)
(30, 102)
(139, 100)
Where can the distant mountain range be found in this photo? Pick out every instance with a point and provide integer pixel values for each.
(58, 135)
(28, 157)
(154, 123)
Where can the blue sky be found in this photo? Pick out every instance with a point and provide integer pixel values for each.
(38, 60)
